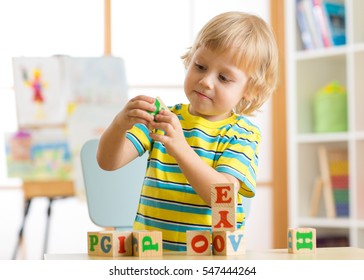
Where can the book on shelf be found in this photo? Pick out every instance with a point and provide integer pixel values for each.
(335, 14)
(303, 27)
(333, 183)
(321, 23)
(339, 174)
(310, 36)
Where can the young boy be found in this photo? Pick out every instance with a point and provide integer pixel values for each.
(231, 72)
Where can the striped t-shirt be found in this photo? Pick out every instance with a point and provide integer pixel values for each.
(168, 203)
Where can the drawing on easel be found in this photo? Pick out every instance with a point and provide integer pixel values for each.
(66, 93)
(37, 86)
(39, 91)
(95, 80)
(39, 155)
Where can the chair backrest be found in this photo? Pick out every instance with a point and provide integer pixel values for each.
(112, 196)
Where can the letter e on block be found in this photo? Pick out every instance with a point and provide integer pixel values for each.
(147, 243)
(301, 240)
(198, 242)
(223, 195)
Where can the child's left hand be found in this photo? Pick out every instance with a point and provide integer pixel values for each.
(173, 139)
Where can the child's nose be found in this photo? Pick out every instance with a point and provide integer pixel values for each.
(207, 81)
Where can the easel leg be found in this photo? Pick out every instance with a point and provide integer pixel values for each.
(49, 212)
(21, 231)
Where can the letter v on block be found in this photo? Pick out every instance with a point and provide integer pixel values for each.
(236, 240)
(228, 243)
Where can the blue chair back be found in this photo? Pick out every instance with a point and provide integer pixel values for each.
(112, 196)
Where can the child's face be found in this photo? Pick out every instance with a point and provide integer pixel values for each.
(213, 84)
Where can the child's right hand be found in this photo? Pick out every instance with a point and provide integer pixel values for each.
(135, 111)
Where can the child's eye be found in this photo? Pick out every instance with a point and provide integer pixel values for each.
(200, 67)
(223, 78)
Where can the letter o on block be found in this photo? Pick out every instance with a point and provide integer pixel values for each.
(218, 243)
(198, 242)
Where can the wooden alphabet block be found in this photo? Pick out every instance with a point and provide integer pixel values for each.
(198, 242)
(116, 243)
(93, 245)
(301, 240)
(223, 219)
(147, 243)
(223, 195)
(110, 243)
(223, 207)
(228, 243)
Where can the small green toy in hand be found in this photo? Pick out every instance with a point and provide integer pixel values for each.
(159, 106)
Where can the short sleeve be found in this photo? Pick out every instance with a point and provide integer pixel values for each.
(240, 159)
(139, 136)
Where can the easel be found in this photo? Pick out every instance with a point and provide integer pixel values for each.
(51, 190)
(323, 185)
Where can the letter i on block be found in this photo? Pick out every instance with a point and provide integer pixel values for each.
(198, 242)
(110, 243)
(223, 207)
(301, 240)
(147, 243)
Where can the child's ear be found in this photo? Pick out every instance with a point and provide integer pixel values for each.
(249, 94)
(247, 97)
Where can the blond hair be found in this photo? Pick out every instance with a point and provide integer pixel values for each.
(251, 42)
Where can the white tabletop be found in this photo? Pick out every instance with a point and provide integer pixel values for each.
(337, 253)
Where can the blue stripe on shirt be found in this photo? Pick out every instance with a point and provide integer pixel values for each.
(152, 182)
(168, 225)
(175, 206)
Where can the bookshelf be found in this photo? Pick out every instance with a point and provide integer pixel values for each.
(307, 71)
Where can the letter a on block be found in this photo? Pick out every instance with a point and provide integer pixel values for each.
(223, 219)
